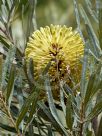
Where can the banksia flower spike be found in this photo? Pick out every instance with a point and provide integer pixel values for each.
(57, 44)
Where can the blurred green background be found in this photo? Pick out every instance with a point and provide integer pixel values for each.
(59, 12)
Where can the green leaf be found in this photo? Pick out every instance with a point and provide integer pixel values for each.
(46, 114)
(87, 21)
(4, 42)
(76, 9)
(83, 75)
(4, 13)
(30, 26)
(9, 3)
(19, 86)
(31, 131)
(67, 89)
(24, 109)
(10, 85)
(62, 98)
(69, 113)
(95, 111)
(89, 88)
(50, 98)
(52, 105)
(33, 106)
(1, 66)
(31, 72)
(45, 71)
(50, 132)
(7, 64)
(94, 85)
(96, 51)
(8, 128)
(92, 12)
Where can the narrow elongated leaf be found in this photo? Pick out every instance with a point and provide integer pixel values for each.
(76, 9)
(34, 16)
(83, 75)
(30, 17)
(8, 128)
(87, 21)
(7, 64)
(95, 111)
(10, 84)
(4, 13)
(98, 83)
(31, 72)
(1, 66)
(31, 131)
(50, 132)
(45, 71)
(93, 42)
(92, 12)
(89, 88)
(69, 113)
(18, 84)
(9, 3)
(62, 99)
(94, 85)
(24, 109)
(50, 97)
(52, 105)
(33, 106)
(50, 117)
(67, 89)
(4, 42)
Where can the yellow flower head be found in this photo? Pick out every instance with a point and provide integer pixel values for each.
(58, 44)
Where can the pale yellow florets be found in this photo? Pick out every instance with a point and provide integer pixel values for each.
(59, 44)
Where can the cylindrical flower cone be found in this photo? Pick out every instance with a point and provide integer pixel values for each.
(60, 45)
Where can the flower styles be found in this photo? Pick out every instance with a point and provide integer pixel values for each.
(58, 44)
